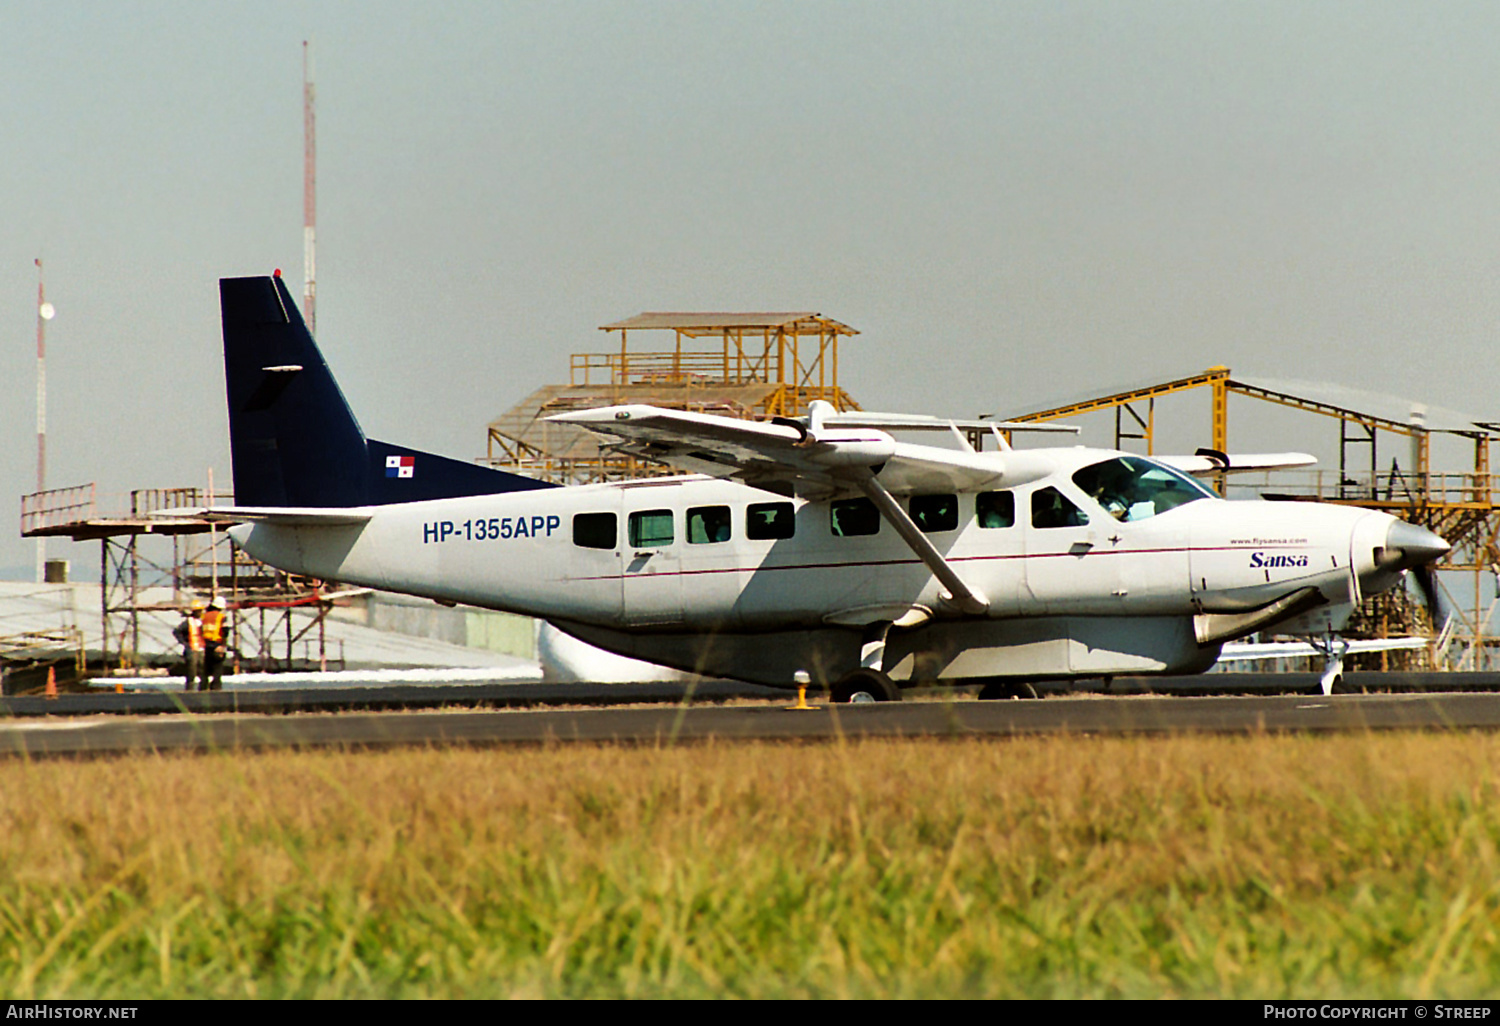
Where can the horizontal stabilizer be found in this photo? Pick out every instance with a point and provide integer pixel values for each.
(289, 516)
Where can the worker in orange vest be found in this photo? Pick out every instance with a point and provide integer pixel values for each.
(213, 646)
(189, 633)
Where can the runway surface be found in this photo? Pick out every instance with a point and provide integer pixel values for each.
(669, 724)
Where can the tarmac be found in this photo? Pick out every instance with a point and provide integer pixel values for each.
(1083, 718)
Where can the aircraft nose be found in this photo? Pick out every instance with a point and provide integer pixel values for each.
(1407, 546)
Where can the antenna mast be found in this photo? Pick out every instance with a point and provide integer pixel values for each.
(44, 314)
(309, 192)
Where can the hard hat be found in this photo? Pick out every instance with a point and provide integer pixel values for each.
(217, 603)
(197, 605)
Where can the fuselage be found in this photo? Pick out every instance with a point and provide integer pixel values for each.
(702, 554)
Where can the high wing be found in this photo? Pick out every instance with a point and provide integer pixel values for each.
(1211, 461)
(918, 422)
(828, 456)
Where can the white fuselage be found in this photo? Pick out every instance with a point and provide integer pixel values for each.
(678, 561)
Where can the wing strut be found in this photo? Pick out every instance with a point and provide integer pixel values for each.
(960, 594)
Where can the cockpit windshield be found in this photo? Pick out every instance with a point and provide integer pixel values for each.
(1130, 488)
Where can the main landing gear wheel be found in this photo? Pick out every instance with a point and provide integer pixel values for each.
(1007, 689)
(864, 686)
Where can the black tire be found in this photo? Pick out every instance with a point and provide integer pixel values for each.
(864, 686)
(999, 689)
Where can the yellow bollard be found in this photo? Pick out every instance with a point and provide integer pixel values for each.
(803, 680)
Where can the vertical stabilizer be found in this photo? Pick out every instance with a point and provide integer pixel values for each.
(292, 435)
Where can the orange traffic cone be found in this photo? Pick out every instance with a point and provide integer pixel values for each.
(51, 682)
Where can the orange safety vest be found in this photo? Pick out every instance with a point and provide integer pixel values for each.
(213, 625)
(194, 634)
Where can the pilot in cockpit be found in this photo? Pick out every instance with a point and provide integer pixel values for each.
(1114, 489)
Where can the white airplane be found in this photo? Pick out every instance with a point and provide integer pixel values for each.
(818, 549)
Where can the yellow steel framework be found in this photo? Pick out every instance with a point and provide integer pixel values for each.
(200, 563)
(748, 365)
(1459, 506)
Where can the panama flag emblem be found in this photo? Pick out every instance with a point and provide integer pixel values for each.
(400, 466)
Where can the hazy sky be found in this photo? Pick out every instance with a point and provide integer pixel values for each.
(1012, 201)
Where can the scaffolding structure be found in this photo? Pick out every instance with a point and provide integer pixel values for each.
(155, 562)
(746, 365)
(1459, 506)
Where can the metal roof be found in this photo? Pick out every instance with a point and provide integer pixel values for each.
(1379, 405)
(695, 324)
(1375, 404)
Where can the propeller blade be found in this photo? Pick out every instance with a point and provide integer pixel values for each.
(1427, 584)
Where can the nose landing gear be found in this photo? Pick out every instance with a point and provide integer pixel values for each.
(1333, 648)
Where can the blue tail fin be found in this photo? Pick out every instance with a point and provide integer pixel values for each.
(292, 436)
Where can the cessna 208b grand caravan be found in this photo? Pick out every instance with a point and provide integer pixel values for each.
(817, 548)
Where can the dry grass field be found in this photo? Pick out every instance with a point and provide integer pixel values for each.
(1364, 865)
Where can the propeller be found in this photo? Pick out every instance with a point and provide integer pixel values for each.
(1415, 549)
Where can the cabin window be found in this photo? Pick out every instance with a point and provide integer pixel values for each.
(769, 520)
(651, 528)
(935, 512)
(1051, 508)
(595, 530)
(995, 509)
(1131, 488)
(707, 524)
(852, 517)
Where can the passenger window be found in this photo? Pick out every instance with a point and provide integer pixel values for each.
(595, 530)
(1050, 508)
(935, 512)
(767, 520)
(707, 524)
(852, 517)
(995, 509)
(651, 528)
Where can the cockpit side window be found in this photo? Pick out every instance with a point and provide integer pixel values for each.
(1051, 508)
(1130, 488)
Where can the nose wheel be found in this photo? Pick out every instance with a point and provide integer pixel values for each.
(1333, 648)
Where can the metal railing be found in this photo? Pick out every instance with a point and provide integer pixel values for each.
(692, 367)
(58, 507)
(1392, 487)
